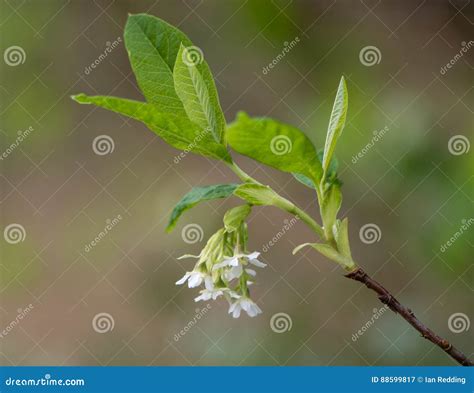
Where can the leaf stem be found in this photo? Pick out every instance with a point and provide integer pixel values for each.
(290, 208)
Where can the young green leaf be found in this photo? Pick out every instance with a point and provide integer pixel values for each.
(257, 194)
(200, 102)
(336, 123)
(328, 252)
(331, 175)
(175, 129)
(153, 46)
(330, 207)
(276, 144)
(196, 195)
(234, 217)
(341, 234)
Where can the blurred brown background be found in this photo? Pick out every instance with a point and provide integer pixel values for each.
(60, 193)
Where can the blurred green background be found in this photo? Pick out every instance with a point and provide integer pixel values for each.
(408, 183)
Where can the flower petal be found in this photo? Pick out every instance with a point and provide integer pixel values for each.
(183, 279)
(251, 272)
(253, 255)
(257, 263)
(195, 280)
(208, 283)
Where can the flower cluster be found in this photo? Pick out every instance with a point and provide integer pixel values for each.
(224, 268)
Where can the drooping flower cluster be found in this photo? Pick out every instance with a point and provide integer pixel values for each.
(224, 269)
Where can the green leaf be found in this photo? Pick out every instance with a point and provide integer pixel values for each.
(276, 144)
(153, 46)
(234, 217)
(336, 123)
(330, 207)
(331, 176)
(304, 180)
(328, 252)
(200, 102)
(175, 129)
(331, 172)
(257, 194)
(341, 234)
(196, 195)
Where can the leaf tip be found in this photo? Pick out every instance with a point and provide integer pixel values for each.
(80, 98)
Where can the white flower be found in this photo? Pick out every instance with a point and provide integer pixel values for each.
(235, 265)
(213, 293)
(194, 279)
(246, 304)
(233, 272)
(254, 261)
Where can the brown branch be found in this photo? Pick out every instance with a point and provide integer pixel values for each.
(386, 298)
